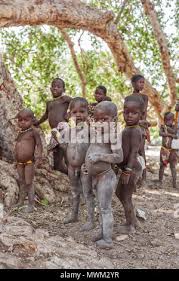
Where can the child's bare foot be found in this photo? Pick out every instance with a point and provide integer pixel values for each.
(29, 209)
(70, 219)
(97, 237)
(18, 204)
(104, 244)
(126, 229)
(87, 226)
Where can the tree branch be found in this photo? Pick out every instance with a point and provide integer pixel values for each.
(63, 13)
(120, 12)
(75, 61)
(164, 51)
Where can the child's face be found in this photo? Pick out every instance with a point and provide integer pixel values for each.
(99, 95)
(139, 84)
(57, 88)
(79, 112)
(132, 113)
(25, 121)
(102, 116)
(168, 120)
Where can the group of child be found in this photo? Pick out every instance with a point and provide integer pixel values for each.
(89, 165)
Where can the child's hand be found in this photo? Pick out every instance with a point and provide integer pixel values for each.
(125, 178)
(56, 135)
(96, 157)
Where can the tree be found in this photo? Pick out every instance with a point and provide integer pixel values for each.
(75, 14)
(98, 19)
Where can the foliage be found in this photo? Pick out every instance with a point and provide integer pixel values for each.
(36, 55)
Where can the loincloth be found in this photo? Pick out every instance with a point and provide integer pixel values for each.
(165, 154)
(25, 163)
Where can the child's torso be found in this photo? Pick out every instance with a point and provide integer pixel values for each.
(57, 110)
(98, 167)
(25, 146)
(126, 145)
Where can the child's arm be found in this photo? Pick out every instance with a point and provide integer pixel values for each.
(43, 118)
(115, 157)
(162, 132)
(39, 149)
(135, 142)
(172, 132)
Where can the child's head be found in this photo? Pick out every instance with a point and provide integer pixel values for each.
(133, 110)
(100, 93)
(138, 82)
(168, 118)
(25, 118)
(105, 111)
(79, 109)
(57, 87)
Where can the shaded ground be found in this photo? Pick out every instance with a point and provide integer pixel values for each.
(153, 245)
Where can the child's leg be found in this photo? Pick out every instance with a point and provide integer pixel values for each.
(21, 183)
(86, 181)
(124, 193)
(162, 168)
(144, 174)
(173, 162)
(59, 163)
(29, 176)
(76, 190)
(105, 187)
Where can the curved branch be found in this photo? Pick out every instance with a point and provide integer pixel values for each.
(63, 13)
(75, 61)
(164, 51)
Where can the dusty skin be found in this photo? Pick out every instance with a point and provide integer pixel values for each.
(152, 246)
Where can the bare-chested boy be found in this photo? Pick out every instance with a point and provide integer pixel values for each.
(56, 111)
(75, 149)
(99, 174)
(138, 82)
(27, 142)
(131, 166)
(168, 132)
(99, 95)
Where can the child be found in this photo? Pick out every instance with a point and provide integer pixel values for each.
(168, 132)
(56, 111)
(100, 95)
(75, 151)
(138, 83)
(27, 141)
(132, 164)
(99, 173)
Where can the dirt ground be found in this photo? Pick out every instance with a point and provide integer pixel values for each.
(154, 245)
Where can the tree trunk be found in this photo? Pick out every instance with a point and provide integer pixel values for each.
(75, 61)
(78, 15)
(163, 46)
(48, 184)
